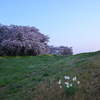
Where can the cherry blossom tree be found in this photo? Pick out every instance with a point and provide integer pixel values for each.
(61, 50)
(22, 40)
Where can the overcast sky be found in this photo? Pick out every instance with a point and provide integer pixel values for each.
(72, 23)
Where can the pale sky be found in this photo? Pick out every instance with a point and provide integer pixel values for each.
(72, 23)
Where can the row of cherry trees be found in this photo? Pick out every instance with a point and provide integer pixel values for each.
(25, 40)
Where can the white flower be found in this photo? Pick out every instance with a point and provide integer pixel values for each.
(67, 77)
(78, 82)
(60, 86)
(59, 82)
(74, 79)
(67, 83)
(71, 85)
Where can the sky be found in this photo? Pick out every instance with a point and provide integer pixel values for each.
(72, 23)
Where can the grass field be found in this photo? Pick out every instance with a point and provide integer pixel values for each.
(36, 77)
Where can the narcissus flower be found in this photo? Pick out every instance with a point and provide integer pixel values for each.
(67, 77)
(78, 82)
(59, 82)
(60, 86)
(74, 79)
(66, 83)
(70, 85)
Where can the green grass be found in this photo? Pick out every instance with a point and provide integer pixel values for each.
(35, 77)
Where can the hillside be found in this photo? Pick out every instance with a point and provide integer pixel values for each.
(36, 77)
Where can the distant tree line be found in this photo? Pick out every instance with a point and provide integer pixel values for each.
(24, 40)
(61, 50)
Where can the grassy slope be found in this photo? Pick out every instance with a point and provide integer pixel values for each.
(35, 77)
